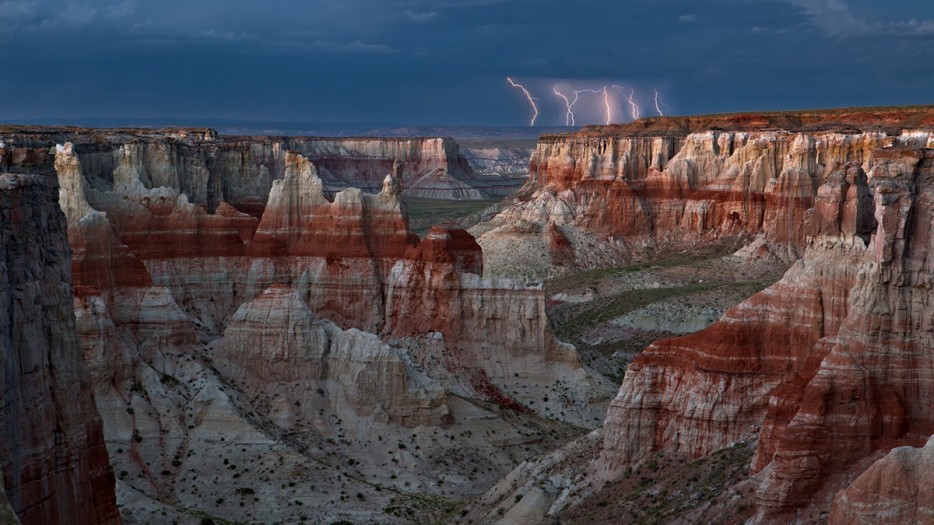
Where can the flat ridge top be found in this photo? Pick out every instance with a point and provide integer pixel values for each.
(892, 119)
(888, 119)
(186, 134)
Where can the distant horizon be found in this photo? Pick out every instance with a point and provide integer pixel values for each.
(222, 123)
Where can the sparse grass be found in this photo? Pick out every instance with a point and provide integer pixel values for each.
(576, 280)
(607, 309)
(664, 490)
(425, 213)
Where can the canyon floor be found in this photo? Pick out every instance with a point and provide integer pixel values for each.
(425, 213)
(612, 314)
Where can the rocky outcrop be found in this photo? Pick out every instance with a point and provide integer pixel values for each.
(832, 363)
(52, 456)
(779, 326)
(351, 259)
(300, 221)
(896, 489)
(673, 183)
(292, 366)
(504, 167)
(210, 168)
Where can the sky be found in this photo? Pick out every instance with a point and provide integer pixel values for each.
(445, 62)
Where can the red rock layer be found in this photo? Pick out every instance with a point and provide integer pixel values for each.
(55, 466)
(300, 221)
(351, 260)
(899, 488)
(875, 387)
(561, 249)
(833, 362)
(492, 329)
(452, 247)
(187, 231)
(276, 349)
(890, 120)
(702, 185)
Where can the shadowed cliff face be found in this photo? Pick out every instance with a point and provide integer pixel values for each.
(55, 467)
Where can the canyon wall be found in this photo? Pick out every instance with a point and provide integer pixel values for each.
(321, 322)
(826, 370)
(497, 160)
(619, 193)
(352, 260)
(54, 463)
(227, 290)
(828, 367)
(210, 168)
(896, 489)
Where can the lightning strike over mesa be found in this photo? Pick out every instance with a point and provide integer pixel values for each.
(606, 102)
(569, 116)
(634, 108)
(609, 110)
(529, 97)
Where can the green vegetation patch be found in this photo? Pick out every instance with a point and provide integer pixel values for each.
(625, 302)
(425, 213)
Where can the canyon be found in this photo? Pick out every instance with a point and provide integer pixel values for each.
(322, 337)
(264, 338)
(824, 371)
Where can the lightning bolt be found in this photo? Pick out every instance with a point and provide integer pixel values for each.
(634, 108)
(658, 107)
(569, 116)
(529, 97)
(606, 102)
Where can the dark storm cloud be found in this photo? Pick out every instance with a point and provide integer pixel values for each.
(836, 18)
(445, 61)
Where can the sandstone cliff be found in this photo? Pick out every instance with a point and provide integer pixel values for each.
(614, 192)
(499, 160)
(55, 467)
(896, 489)
(826, 370)
(828, 366)
(352, 260)
(287, 360)
(210, 168)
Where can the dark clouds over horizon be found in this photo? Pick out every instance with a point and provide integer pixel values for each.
(444, 62)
